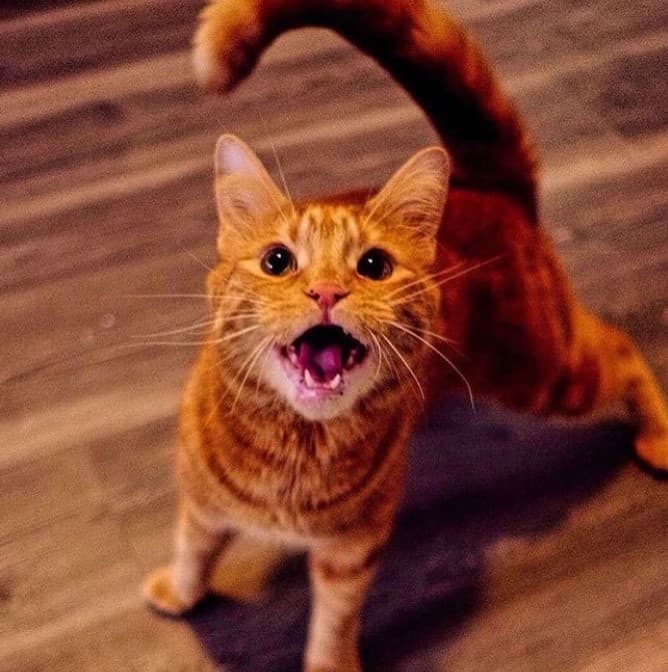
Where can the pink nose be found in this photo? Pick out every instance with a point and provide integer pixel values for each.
(326, 294)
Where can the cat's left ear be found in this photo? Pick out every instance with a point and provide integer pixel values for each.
(415, 195)
(245, 192)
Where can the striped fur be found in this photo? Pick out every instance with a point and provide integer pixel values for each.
(255, 458)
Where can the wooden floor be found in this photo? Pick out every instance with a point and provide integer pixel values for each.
(524, 546)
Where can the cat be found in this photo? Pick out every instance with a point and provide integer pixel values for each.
(333, 318)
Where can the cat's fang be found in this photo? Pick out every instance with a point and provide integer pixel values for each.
(292, 356)
(308, 379)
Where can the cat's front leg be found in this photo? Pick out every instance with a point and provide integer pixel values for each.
(340, 576)
(178, 587)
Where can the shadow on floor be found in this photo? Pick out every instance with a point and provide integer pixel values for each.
(475, 479)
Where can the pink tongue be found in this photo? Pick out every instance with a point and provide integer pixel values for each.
(323, 363)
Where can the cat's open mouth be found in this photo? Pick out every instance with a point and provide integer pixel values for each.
(322, 355)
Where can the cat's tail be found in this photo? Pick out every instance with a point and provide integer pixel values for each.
(420, 45)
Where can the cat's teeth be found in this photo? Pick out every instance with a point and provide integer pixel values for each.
(292, 356)
(351, 359)
(308, 378)
(334, 382)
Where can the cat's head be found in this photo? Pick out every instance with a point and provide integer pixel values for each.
(325, 303)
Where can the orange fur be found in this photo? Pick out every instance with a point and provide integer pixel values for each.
(295, 431)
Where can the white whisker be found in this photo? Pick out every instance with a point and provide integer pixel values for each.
(236, 334)
(379, 350)
(442, 356)
(214, 341)
(444, 339)
(199, 326)
(197, 259)
(283, 180)
(247, 365)
(267, 352)
(470, 269)
(280, 172)
(431, 276)
(405, 363)
(165, 296)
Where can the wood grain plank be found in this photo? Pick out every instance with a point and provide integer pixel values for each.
(88, 36)
(133, 640)
(533, 545)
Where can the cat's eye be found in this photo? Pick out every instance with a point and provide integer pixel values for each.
(375, 264)
(278, 260)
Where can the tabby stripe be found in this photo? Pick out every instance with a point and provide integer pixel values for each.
(226, 480)
(223, 475)
(330, 571)
(387, 442)
(251, 447)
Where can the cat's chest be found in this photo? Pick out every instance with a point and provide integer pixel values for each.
(304, 482)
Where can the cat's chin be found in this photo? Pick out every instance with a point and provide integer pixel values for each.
(317, 402)
(322, 373)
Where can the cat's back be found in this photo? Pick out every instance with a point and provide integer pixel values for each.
(510, 312)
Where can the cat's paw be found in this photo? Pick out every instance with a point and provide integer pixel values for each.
(159, 591)
(652, 449)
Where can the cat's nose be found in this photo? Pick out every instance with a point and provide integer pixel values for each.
(326, 294)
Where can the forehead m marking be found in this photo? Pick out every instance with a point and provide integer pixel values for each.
(331, 223)
(308, 224)
(326, 236)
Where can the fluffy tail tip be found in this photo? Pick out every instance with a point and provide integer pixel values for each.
(212, 72)
(227, 44)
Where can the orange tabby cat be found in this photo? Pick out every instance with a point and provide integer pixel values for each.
(331, 317)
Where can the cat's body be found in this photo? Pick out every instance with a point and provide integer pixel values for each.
(332, 319)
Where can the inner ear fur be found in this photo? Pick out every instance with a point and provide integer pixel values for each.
(415, 195)
(245, 192)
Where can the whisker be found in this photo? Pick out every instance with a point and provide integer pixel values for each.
(216, 341)
(236, 334)
(165, 296)
(244, 296)
(431, 276)
(197, 259)
(267, 352)
(248, 365)
(442, 356)
(283, 180)
(225, 319)
(201, 325)
(176, 344)
(450, 342)
(227, 389)
(379, 350)
(405, 363)
(437, 336)
(280, 170)
(470, 269)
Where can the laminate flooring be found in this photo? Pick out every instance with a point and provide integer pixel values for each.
(523, 545)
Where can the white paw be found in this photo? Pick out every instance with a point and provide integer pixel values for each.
(160, 593)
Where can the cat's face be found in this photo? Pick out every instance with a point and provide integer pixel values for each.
(325, 304)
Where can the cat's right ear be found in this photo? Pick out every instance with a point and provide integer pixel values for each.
(245, 192)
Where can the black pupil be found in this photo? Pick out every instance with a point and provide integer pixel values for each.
(375, 265)
(277, 260)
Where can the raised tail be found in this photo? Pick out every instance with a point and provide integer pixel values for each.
(420, 46)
